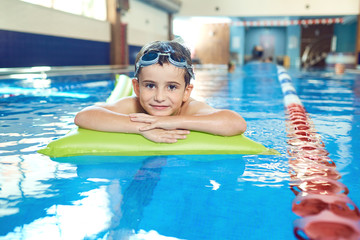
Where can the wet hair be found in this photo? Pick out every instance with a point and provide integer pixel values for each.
(177, 50)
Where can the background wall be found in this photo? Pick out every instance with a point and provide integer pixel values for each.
(346, 33)
(145, 24)
(32, 35)
(237, 44)
(283, 43)
(269, 8)
(273, 40)
(293, 40)
(213, 44)
(25, 17)
(346, 42)
(19, 49)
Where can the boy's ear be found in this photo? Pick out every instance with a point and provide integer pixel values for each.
(135, 83)
(188, 90)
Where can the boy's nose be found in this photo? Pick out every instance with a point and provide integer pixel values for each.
(159, 95)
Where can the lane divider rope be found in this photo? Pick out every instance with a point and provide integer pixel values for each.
(325, 211)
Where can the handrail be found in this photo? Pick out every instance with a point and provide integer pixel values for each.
(316, 51)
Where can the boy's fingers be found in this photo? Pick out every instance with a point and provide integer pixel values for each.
(182, 132)
(173, 139)
(169, 140)
(178, 134)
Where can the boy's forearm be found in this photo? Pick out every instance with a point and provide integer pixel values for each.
(101, 119)
(225, 123)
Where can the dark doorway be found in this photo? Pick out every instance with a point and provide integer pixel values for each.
(317, 38)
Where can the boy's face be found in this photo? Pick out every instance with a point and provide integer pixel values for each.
(161, 89)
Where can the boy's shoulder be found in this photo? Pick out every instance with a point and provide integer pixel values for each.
(127, 105)
(194, 107)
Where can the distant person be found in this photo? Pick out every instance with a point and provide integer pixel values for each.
(339, 68)
(231, 67)
(257, 53)
(269, 59)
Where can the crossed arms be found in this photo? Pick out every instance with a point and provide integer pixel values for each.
(127, 117)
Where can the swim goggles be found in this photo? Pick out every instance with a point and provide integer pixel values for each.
(152, 57)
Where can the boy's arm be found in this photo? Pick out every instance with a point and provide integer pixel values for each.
(103, 118)
(219, 122)
(107, 118)
(201, 118)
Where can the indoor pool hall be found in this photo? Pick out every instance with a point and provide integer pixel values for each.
(179, 120)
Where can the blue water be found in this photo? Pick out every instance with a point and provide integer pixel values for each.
(170, 197)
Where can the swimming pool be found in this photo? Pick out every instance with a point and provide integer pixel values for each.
(168, 197)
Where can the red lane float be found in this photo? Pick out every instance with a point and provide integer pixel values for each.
(321, 200)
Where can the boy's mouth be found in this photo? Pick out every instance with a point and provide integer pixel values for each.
(159, 107)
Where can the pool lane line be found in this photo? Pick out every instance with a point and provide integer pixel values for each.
(321, 201)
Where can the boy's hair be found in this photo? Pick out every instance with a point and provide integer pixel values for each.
(177, 50)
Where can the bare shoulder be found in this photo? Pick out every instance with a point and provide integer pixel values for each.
(125, 105)
(194, 107)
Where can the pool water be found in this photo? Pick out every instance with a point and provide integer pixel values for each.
(167, 197)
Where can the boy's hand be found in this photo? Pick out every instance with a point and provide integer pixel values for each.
(165, 136)
(158, 129)
(153, 122)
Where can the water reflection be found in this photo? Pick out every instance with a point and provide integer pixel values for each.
(111, 200)
(128, 206)
(132, 189)
(262, 171)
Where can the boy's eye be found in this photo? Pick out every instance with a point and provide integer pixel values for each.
(150, 85)
(172, 87)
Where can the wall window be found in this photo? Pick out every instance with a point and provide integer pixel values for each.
(89, 8)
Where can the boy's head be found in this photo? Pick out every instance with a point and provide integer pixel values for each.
(160, 52)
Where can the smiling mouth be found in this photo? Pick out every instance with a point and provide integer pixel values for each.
(159, 107)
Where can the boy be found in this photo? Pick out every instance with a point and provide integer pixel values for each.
(162, 110)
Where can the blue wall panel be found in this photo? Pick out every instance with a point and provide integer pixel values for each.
(18, 49)
(274, 37)
(133, 51)
(237, 42)
(346, 37)
(293, 39)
